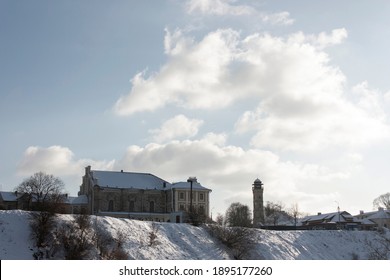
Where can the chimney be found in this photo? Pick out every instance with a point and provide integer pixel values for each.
(87, 170)
(193, 179)
(319, 213)
(121, 170)
(361, 212)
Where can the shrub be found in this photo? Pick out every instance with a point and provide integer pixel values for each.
(238, 239)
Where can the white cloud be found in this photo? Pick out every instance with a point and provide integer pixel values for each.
(218, 7)
(230, 8)
(176, 127)
(302, 101)
(191, 78)
(222, 68)
(324, 39)
(56, 160)
(282, 18)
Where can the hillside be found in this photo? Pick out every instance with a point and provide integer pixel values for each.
(183, 241)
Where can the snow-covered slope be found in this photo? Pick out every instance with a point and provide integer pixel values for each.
(183, 241)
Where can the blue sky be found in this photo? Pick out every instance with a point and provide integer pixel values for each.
(292, 92)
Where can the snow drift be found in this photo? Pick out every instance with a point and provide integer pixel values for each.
(183, 241)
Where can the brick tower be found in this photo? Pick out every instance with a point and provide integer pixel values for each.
(258, 205)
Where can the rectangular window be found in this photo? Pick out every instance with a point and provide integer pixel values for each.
(181, 195)
(201, 196)
(111, 205)
(131, 206)
(181, 207)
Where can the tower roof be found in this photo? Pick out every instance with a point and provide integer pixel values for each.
(257, 182)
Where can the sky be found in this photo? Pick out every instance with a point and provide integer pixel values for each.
(294, 93)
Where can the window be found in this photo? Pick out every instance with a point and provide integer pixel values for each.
(111, 205)
(181, 195)
(131, 206)
(201, 209)
(201, 196)
(151, 206)
(181, 207)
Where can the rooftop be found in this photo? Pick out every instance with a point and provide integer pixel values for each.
(120, 179)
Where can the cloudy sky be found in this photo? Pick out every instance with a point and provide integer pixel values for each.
(295, 93)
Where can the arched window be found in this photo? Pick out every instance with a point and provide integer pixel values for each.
(151, 206)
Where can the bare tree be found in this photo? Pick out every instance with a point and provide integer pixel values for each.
(42, 190)
(77, 238)
(219, 219)
(238, 239)
(382, 201)
(238, 215)
(273, 212)
(295, 213)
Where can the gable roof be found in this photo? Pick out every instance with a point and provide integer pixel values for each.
(334, 217)
(125, 180)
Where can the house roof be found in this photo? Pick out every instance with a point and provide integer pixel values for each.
(114, 179)
(381, 214)
(334, 217)
(187, 186)
(9, 196)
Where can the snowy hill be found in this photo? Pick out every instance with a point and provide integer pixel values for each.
(183, 241)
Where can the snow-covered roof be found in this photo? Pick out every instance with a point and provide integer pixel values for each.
(9, 196)
(367, 222)
(187, 185)
(334, 217)
(114, 179)
(381, 214)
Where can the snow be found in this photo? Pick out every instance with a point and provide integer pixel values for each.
(186, 242)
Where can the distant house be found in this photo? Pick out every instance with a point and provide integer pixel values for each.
(374, 219)
(10, 200)
(17, 200)
(142, 196)
(335, 220)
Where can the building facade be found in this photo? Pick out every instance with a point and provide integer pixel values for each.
(142, 196)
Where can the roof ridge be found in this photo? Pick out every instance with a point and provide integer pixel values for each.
(129, 172)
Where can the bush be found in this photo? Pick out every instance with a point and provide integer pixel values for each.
(41, 225)
(238, 239)
(380, 248)
(153, 235)
(77, 238)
